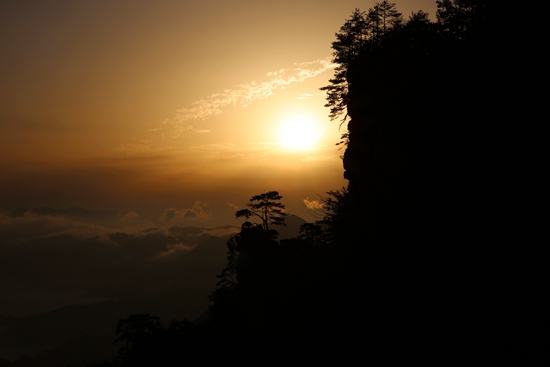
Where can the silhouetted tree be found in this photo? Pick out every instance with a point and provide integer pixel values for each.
(272, 295)
(382, 18)
(459, 18)
(135, 330)
(312, 233)
(149, 343)
(266, 207)
(351, 37)
(349, 40)
(332, 220)
(359, 31)
(242, 291)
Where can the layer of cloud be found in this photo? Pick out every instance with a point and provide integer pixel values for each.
(50, 260)
(31, 226)
(244, 94)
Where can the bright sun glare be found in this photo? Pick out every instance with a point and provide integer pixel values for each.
(299, 132)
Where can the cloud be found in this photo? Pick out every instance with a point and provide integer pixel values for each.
(169, 215)
(313, 204)
(243, 94)
(172, 249)
(33, 226)
(223, 231)
(175, 216)
(49, 260)
(233, 206)
(190, 214)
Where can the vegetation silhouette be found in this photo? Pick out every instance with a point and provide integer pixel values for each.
(437, 250)
(444, 159)
(265, 207)
(258, 295)
(148, 342)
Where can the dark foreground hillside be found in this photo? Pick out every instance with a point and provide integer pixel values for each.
(437, 250)
(447, 219)
(79, 335)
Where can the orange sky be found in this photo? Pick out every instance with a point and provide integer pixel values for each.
(148, 105)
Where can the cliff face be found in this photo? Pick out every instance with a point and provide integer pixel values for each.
(447, 164)
(385, 158)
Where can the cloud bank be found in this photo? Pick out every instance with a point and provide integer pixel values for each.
(53, 257)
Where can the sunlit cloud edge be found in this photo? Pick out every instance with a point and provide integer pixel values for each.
(242, 95)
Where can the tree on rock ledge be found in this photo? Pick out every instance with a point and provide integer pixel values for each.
(266, 207)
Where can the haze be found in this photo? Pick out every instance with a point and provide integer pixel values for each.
(144, 106)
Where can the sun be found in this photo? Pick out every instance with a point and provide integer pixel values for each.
(299, 132)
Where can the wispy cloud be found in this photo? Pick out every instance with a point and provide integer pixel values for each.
(233, 206)
(244, 94)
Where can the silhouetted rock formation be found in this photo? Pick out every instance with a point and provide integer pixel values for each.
(447, 206)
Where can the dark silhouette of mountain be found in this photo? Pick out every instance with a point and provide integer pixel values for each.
(36, 333)
(50, 335)
(81, 351)
(201, 265)
(87, 270)
(195, 274)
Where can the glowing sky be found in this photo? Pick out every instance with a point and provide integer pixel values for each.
(148, 105)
